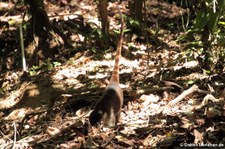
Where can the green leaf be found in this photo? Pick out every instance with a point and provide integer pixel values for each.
(191, 82)
(116, 31)
(56, 64)
(221, 4)
(127, 30)
(201, 20)
(207, 71)
(222, 23)
(213, 22)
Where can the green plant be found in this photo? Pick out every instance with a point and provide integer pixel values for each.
(47, 66)
(34, 70)
(209, 24)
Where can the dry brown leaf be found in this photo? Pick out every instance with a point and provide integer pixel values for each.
(52, 130)
(198, 136)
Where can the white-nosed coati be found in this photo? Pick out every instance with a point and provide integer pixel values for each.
(108, 108)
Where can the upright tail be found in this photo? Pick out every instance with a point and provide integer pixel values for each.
(115, 73)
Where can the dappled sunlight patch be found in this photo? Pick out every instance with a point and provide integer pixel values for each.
(13, 98)
(51, 109)
(129, 63)
(91, 69)
(98, 76)
(193, 76)
(189, 64)
(136, 114)
(33, 92)
(18, 113)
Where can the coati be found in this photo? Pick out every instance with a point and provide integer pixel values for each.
(108, 108)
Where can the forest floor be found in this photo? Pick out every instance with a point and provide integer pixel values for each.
(170, 101)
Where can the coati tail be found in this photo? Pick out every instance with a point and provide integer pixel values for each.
(115, 73)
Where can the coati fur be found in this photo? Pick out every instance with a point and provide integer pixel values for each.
(108, 108)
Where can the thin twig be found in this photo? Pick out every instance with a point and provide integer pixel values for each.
(22, 49)
(14, 140)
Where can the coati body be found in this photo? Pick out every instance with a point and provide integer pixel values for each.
(108, 108)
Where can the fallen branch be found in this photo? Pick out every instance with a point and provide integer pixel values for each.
(187, 92)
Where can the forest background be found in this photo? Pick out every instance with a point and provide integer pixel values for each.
(56, 57)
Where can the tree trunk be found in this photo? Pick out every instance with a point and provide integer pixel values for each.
(102, 5)
(38, 49)
(136, 9)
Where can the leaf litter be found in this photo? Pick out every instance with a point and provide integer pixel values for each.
(50, 110)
